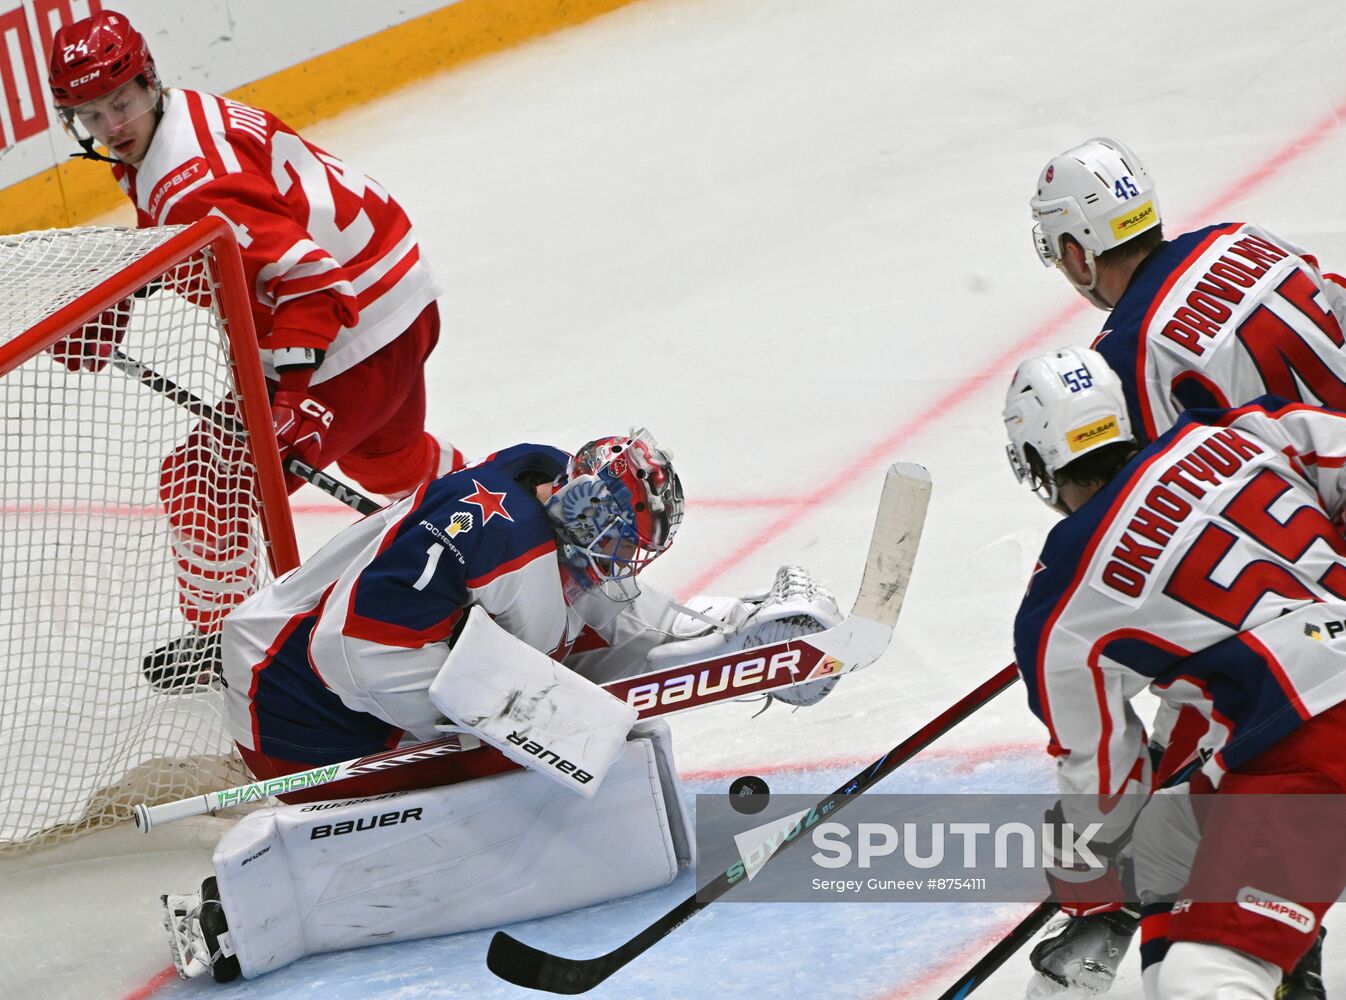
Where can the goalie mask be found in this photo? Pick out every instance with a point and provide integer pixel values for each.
(1061, 406)
(103, 81)
(615, 511)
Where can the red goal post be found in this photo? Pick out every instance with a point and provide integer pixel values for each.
(92, 562)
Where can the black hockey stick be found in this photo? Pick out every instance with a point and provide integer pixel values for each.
(1020, 935)
(197, 406)
(524, 965)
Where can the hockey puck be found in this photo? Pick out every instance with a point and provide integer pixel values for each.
(749, 794)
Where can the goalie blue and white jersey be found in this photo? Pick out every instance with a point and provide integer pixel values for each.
(1211, 570)
(335, 659)
(1221, 316)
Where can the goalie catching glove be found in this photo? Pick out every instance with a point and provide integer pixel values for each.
(797, 604)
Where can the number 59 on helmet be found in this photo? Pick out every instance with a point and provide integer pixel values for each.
(1061, 406)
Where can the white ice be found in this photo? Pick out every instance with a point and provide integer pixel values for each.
(792, 239)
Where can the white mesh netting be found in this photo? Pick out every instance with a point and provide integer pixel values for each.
(126, 523)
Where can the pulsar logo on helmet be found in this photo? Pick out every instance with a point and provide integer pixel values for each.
(1134, 222)
(1092, 434)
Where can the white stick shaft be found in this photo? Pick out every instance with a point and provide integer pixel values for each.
(147, 817)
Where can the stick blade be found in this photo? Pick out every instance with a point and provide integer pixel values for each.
(892, 551)
(526, 966)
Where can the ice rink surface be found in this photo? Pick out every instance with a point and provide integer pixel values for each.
(792, 239)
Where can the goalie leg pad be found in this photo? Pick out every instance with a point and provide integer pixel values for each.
(303, 880)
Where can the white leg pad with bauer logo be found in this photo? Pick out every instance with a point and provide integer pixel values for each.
(303, 880)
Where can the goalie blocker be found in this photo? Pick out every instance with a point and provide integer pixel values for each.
(307, 879)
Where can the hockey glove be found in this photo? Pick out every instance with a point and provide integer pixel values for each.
(300, 420)
(1080, 887)
(1085, 953)
(90, 347)
(797, 604)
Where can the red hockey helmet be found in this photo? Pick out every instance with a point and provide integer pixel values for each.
(95, 56)
(616, 510)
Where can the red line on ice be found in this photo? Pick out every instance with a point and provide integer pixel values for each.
(937, 978)
(158, 982)
(964, 759)
(995, 373)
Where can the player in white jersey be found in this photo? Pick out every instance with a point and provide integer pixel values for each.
(1204, 568)
(374, 642)
(343, 302)
(1211, 318)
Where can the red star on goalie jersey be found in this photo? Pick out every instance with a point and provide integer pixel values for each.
(490, 503)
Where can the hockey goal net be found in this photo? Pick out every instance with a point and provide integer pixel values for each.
(129, 520)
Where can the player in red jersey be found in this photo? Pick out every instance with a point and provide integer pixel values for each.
(343, 301)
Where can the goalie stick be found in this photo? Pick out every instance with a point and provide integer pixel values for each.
(526, 966)
(197, 406)
(855, 642)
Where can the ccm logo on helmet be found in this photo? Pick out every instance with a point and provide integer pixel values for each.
(87, 78)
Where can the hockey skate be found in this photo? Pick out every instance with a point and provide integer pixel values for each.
(198, 935)
(185, 665)
(1081, 959)
(1305, 982)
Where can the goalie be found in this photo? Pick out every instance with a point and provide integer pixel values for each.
(447, 612)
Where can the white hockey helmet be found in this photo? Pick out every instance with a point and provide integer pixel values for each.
(1099, 192)
(1061, 406)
